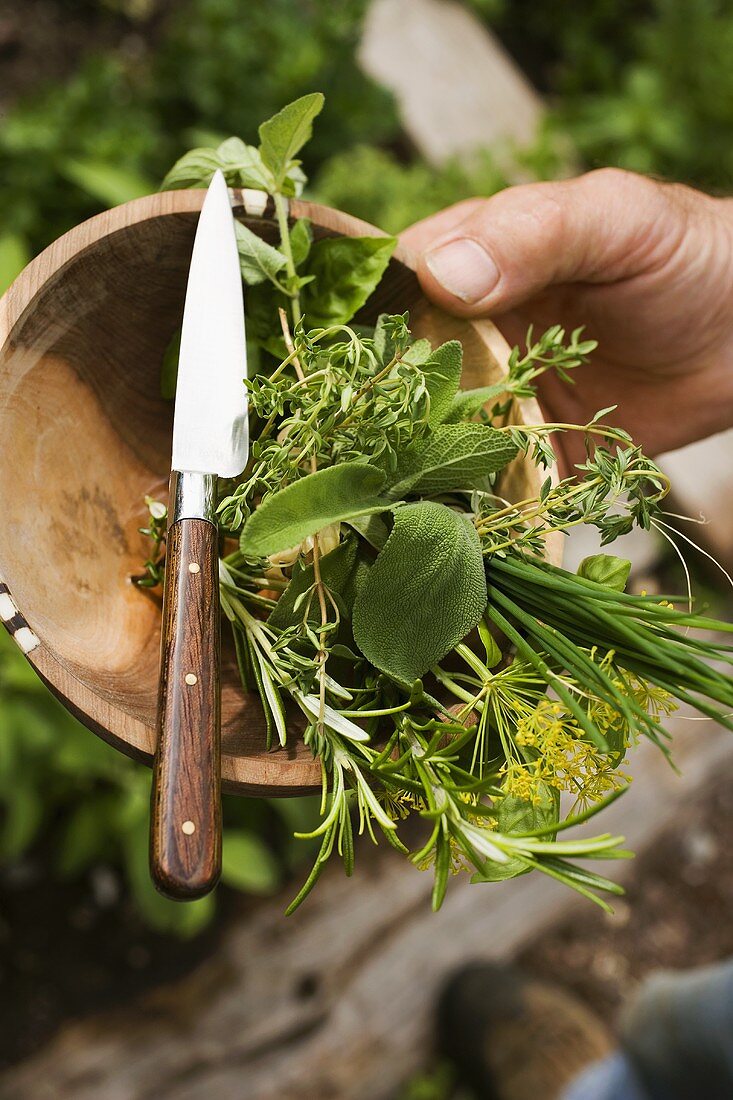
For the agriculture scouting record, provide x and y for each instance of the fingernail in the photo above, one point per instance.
(464, 268)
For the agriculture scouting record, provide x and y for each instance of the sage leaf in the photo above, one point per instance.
(337, 573)
(193, 169)
(331, 495)
(423, 594)
(418, 353)
(346, 271)
(453, 456)
(283, 135)
(442, 377)
(606, 569)
(469, 403)
(372, 529)
(258, 260)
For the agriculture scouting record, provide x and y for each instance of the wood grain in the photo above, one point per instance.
(86, 435)
(185, 819)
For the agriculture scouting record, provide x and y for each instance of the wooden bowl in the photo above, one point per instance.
(86, 435)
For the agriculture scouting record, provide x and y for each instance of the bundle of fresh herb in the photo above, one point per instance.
(441, 665)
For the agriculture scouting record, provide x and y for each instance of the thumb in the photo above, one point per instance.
(491, 255)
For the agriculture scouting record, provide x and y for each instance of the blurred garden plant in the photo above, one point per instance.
(68, 793)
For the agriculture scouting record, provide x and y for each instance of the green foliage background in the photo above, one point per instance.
(644, 85)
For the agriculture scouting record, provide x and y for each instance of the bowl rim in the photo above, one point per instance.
(122, 730)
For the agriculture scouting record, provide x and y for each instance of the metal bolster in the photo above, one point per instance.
(192, 496)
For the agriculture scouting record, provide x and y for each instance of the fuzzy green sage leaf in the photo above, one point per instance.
(454, 456)
(442, 377)
(424, 593)
(331, 495)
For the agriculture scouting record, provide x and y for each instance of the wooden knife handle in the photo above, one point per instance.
(185, 837)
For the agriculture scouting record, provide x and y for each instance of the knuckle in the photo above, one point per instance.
(619, 182)
(539, 207)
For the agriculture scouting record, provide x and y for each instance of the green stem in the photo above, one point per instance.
(281, 212)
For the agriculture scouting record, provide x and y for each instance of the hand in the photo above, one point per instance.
(646, 267)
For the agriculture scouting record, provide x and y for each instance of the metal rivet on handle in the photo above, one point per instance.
(194, 567)
(191, 678)
(188, 828)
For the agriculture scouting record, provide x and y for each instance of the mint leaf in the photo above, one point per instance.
(283, 135)
(423, 594)
(346, 270)
(301, 238)
(453, 456)
(258, 260)
(194, 169)
(442, 377)
(606, 569)
(469, 403)
(330, 495)
(242, 165)
(337, 573)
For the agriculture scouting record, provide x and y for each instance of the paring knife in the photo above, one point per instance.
(210, 439)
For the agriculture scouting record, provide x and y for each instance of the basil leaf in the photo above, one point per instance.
(423, 594)
(606, 569)
(469, 403)
(330, 495)
(442, 377)
(337, 573)
(453, 456)
(283, 135)
(346, 270)
(258, 260)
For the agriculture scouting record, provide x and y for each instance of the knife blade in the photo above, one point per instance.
(210, 439)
